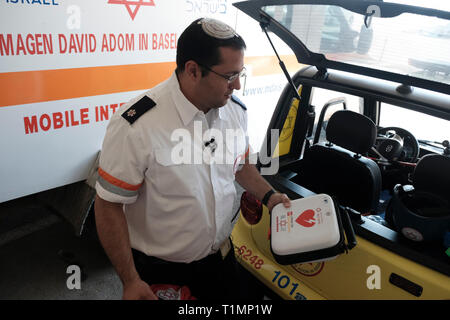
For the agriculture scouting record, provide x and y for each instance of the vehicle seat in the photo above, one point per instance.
(338, 168)
(421, 211)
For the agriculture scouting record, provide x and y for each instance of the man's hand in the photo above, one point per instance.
(277, 198)
(112, 231)
(138, 290)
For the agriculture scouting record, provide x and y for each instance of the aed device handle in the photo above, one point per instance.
(348, 228)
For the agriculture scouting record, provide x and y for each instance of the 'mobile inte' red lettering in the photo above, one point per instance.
(56, 120)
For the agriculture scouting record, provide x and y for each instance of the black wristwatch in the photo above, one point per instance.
(266, 197)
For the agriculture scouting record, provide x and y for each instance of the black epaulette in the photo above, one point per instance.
(239, 102)
(138, 109)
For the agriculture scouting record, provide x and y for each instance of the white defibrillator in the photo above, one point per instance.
(312, 229)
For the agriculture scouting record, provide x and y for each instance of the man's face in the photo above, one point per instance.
(214, 89)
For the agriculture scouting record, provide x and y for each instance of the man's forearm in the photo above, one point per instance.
(251, 180)
(112, 230)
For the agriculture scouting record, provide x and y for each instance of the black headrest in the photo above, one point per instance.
(432, 174)
(352, 131)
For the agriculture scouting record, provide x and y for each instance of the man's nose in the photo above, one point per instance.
(236, 84)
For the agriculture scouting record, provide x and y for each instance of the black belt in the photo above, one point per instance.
(145, 259)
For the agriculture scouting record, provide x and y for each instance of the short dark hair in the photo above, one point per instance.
(195, 44)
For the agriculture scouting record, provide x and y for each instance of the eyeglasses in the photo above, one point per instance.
(231, 78)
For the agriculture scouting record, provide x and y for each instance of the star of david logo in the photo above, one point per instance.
(133, 5)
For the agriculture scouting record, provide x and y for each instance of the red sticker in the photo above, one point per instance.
(306, 219)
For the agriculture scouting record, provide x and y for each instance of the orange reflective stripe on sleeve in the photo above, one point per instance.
(117, 182)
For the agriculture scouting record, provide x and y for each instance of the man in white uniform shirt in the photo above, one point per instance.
(166, 178)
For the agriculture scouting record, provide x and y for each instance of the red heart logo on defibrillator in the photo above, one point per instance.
(306, 219)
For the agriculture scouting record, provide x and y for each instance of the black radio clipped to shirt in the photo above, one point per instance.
(212, 144)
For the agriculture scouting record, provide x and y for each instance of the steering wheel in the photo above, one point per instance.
(395, 143)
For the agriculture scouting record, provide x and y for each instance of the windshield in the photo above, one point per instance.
(409, 44)
(422, 126)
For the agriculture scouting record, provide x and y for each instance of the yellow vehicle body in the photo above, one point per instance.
(363, 273)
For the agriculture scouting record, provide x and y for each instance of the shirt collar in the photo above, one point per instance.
(186, 109)
(217, 113)
(222, 113)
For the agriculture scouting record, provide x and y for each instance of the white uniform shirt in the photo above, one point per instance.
(175, 211)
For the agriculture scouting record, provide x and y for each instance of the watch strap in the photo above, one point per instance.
(266, 197)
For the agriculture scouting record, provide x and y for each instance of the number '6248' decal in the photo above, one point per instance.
(247, 254)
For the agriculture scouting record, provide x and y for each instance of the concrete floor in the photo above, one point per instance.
(36, 249)
(35, 266)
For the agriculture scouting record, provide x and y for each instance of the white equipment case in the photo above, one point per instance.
(312, 229)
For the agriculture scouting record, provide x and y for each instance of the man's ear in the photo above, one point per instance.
(193, 70)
